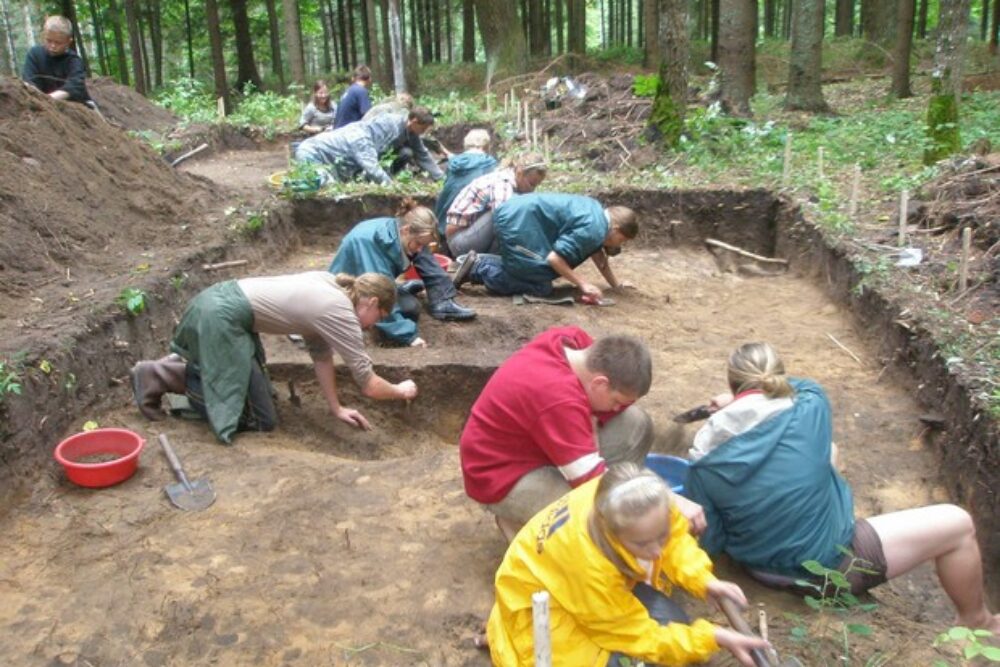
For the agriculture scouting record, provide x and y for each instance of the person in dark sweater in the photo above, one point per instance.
(54, 67)
(355, 103)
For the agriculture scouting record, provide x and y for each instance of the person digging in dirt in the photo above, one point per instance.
(773, 498)
(530, 435)
(355, 102)
(319, 113)
(354, 150)
(543, 236)
(53, 67)
(462, 169)
(469, 218)
(391, 245)
(217, 359)
(609, 553)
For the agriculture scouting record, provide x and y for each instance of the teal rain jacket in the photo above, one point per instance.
(531, 226)
(374, 246)
(462, 170)
(772, 498)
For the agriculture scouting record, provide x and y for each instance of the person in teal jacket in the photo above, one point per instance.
(462, 170)
(389, 246)
(773, 499)
(543, 236)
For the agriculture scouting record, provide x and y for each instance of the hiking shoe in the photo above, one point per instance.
(449, 310)
(465, 269)
(413, 287)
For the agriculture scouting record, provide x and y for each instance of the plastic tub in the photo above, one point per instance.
(442, 260)
(672, 469)
(122, 443)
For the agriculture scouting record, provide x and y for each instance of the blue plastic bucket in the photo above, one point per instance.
(672, 469)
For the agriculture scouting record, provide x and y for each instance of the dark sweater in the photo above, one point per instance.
(51, 73)
(353, 106)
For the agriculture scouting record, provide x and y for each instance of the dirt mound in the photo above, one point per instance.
(128, 109)
(80, 201)
(967, 194)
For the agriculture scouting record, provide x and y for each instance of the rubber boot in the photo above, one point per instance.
(152, 379)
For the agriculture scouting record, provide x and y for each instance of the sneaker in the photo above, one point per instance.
(465, 269)
(449, 310)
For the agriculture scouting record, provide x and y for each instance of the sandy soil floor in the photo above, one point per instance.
(327, 546)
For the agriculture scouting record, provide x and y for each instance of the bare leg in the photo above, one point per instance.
(946, 534)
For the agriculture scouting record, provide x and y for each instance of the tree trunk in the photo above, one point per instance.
(805, 65)
(8, 39)
(189, 37)
(218, 58)
(326, 21)
(946, 82)
(468, 31)
(770, 18)
(995, 31)
(536, 26)
(786, 20)
(984, 20)
(716, 9)
(246, 65)
(449, 38)
(341, 29)
(670, 104)
(156, 39)
(922, 19)
(375, 60)
(142, 46)
(843, 25)
(901, 56)
(736, 54)
(436, 14)
(366, 44)
(560, 19)
(274, 37)
(651, 49)
(98, 25)
(134, 39)
(878, 22)
(116, 27)
(293, 41)
(396, 44)
(502, 36)
(351, 33)
(426, 50)
(414, 36)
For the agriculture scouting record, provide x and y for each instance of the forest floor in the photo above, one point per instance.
(328, 546)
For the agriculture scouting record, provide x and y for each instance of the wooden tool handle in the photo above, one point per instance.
(736, 620)
(175, 463)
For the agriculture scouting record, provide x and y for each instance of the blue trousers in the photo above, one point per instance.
(490, 271)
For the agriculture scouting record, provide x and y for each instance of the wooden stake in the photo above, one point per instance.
(190, 153)
(904, 200)
(540, 625)
(534, 134)
(506, 105)
(852, 206)
(221, 107)
(746, 253)
(844, 348)
(787, 170)
(527, 122)
(489, 104)
(517, 124)
(545, 143)
(224, 265)
(963, 269)
(819, 162)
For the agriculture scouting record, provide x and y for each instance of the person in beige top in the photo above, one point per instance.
(217, 359)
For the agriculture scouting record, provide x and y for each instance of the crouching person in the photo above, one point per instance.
(609, 553)
(217, 359)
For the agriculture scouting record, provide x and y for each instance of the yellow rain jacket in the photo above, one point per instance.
(591, 606)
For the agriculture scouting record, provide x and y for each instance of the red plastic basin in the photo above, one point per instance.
(442, 260)
(121, 442)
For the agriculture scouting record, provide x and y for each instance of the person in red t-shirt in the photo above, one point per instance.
(531, 434)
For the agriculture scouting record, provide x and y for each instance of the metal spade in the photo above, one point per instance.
(191, 496)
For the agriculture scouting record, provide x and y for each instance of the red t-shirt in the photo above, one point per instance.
(532, 413)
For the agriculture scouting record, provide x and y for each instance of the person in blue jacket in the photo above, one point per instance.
(355, 102)
(766, 478)
(53, 67)
(389, 246)
(462, 170)
(543, 236)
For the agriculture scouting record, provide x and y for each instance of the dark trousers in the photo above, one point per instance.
(259, 411)
(490, 271)
(436, 281)
(661, 609)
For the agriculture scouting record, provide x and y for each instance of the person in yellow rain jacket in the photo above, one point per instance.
(608, 553)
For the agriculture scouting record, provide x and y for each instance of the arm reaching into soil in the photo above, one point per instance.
(600, 259)
(328, 384)
(562, 267)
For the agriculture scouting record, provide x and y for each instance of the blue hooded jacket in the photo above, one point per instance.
(462, 170)
(531, 226)
(374, 246)
(771, 497)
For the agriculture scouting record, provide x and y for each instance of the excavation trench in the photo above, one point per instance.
(325, 539)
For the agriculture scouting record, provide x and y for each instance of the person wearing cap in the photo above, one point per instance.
(354, 150)
(464, 168)
(469, 218)
(544, 236)
(355, 102)
(53, 67)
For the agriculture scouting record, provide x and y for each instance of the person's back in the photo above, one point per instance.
(355, 102)
(462, 170)
(370, 246)
(54, 67)
(771, 497)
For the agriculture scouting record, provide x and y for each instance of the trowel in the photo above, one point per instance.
(760, 657)
(190, 496)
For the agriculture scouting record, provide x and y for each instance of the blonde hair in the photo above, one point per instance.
(420, 219)
(623, 220)
(477, 138)
(757, 366)
(369, 285)
(625, 493)
(531, 163)
(58, 24)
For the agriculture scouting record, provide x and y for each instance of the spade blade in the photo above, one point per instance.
(198, 497)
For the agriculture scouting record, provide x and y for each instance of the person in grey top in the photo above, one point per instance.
(355, 149)
(319, 113)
